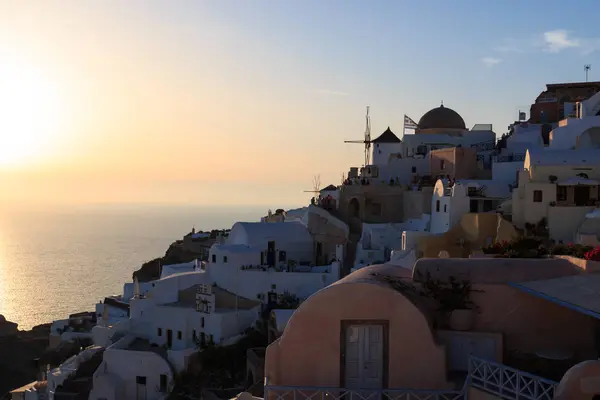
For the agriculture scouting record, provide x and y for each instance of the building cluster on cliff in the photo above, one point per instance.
(397, 296)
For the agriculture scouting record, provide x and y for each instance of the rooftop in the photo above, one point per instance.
(387, 137)
(578, 292)
(562, 157)
(551, 86)
(442, 118)
(225, 300)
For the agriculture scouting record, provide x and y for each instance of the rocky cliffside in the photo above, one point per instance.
(191, 247)
(18, 352)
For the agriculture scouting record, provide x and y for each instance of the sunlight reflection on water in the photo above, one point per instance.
(55, 263)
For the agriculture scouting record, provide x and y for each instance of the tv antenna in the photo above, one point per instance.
(587, 68)
(367, 140)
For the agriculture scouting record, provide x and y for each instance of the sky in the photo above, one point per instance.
(242, 102)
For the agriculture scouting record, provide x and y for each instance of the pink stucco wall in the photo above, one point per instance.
(530, 324)
(581, 382)
(308, 353)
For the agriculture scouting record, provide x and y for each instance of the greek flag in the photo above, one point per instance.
(409, 123)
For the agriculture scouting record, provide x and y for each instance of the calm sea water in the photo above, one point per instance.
(58, 261)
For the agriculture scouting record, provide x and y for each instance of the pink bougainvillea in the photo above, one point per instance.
(593, 255)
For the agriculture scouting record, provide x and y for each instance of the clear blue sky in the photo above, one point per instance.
(406, 56)
(250, 98)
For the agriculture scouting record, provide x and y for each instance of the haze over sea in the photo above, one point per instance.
(55, 261)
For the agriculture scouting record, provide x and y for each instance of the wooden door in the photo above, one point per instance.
(364, 357)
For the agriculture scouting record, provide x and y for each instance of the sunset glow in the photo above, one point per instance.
(30, 111)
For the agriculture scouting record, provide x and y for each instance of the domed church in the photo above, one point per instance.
(441, 120)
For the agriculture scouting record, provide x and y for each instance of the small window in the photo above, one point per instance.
(561, 193)
(214, 258)
(445, 207)
(488, 205)
(140, 380)
(179, 335)
(159, 331)
(442, 164)
(537, 196)
(437, 206)
(474, 206)
(224, 259)
(414, 170)
(163, 383)
(202, 322)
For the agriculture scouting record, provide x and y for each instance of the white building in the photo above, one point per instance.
(57, 376)
(559, 187)
(400, 161)
(451, 200)
(589, 107)
(384, 146)
(377, 241)
(133, 368)
(181, 313)
(573, 133)
(258, 258)
(509, 160)
(172, 269)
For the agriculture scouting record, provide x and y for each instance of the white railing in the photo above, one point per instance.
(508, 383)
(325, 393)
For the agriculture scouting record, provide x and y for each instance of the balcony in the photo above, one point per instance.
(508, 383)
(324, 393)
(510, 158)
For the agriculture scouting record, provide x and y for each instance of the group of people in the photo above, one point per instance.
(327, 202)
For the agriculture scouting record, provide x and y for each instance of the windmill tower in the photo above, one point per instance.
(367, 140)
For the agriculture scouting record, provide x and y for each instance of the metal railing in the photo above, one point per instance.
(508, 383)
(328, 393)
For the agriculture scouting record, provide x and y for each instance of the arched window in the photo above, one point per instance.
(437, 206)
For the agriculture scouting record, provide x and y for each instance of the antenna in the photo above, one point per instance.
(367, 139)
(587, 68)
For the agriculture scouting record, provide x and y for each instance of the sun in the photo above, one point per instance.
(29, 113)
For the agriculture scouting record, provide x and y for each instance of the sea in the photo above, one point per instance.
(57, 260)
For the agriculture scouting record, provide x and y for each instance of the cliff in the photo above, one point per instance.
(192, 246)
(18, 352)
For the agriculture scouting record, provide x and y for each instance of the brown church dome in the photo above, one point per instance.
(442, 118)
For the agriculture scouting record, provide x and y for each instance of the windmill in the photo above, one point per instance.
(316, 186)
(367, 140)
